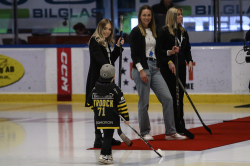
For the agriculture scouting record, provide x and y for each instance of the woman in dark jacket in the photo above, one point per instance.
(100, 54)
(145, 53)
(167, 38)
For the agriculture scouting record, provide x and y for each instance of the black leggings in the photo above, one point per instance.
(106, 145)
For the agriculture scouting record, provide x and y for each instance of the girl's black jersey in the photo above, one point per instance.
(107, 102)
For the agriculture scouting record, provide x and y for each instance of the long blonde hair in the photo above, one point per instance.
(151, 24)
(98, 34)
(170, 20)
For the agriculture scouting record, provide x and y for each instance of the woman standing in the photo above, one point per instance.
(168, 70)
(145, 53)
(100, 54)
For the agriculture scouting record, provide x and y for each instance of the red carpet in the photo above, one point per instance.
(225, 133)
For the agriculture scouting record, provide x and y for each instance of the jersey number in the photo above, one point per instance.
(101, 110)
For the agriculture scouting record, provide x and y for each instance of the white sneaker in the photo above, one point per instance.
(148, 137)
(104, 159)
(175, 136)
(110, 157)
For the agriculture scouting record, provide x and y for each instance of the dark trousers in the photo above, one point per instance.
(97, 131)
(106, 145)
(171, 82)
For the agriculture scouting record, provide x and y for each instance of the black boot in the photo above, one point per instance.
(115, 142)
(98, 140)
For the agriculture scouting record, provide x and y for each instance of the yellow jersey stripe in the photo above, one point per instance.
(108, 127)
(121, 105)
(124, 112)
(124, 108)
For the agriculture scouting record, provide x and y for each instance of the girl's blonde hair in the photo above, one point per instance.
(151, 24)
(98, 34)
(170, 20)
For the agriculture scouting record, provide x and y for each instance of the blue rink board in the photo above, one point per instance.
(125, 45)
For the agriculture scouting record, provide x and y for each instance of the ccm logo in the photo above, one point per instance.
(64, 71)
(64, 79)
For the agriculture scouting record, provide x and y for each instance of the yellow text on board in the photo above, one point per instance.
(10, 70)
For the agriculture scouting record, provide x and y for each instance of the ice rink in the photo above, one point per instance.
(53, 134)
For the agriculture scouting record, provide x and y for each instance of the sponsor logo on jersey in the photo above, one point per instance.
(109, 96)
(104, 122)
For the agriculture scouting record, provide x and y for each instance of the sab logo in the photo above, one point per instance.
(12, 135)
(70, 2)
(10, 71)
(6, 2)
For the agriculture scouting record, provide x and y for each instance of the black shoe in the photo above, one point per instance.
(98, 141)
(115, 142)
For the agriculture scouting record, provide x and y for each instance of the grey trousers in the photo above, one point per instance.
(160, 88)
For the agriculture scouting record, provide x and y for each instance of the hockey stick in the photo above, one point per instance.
(159, 152)
(120, 59)
(186, 132)
(207, 128)
(125, 139)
